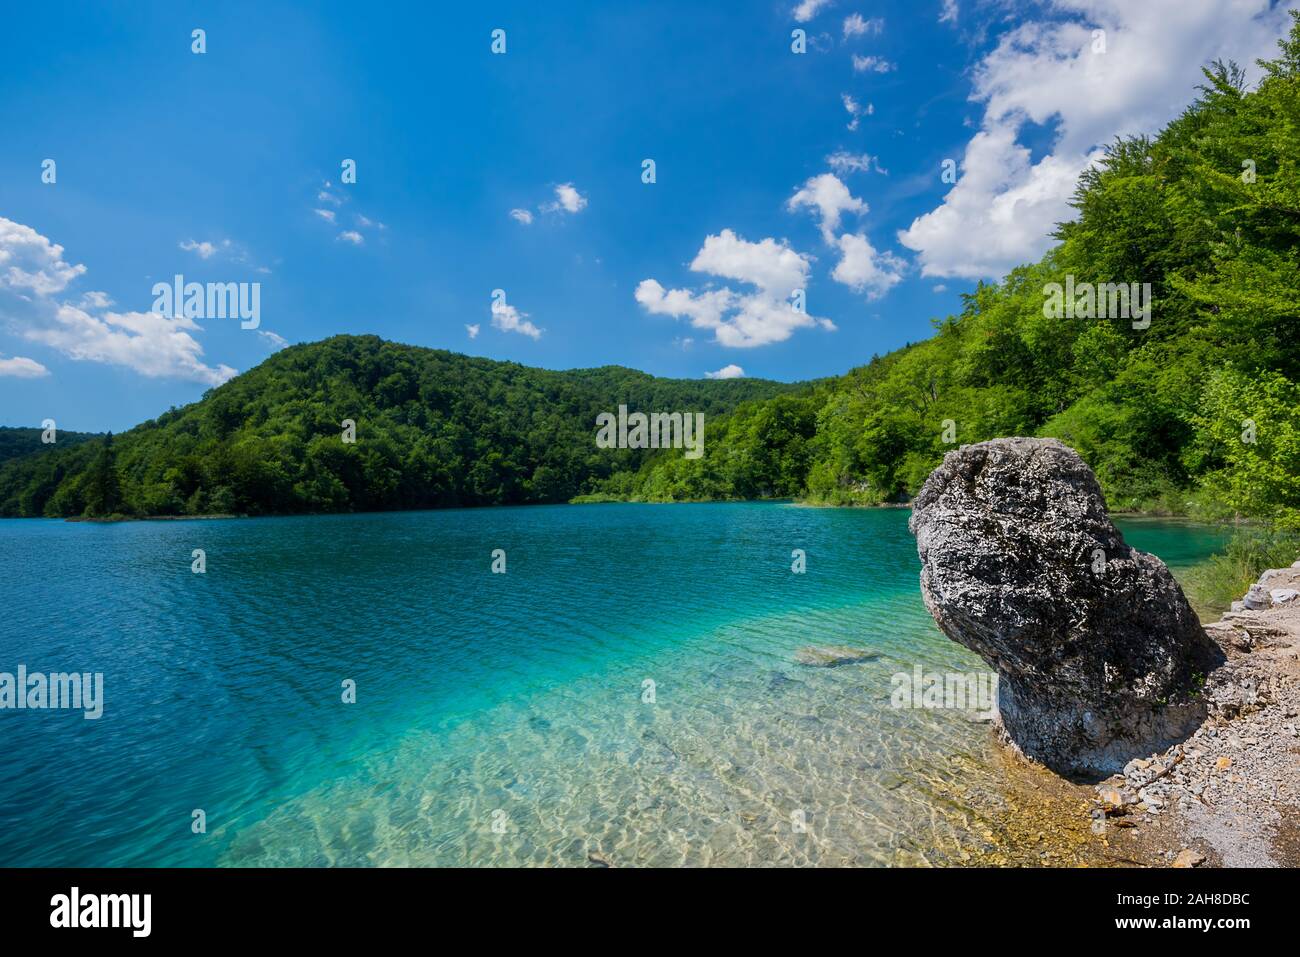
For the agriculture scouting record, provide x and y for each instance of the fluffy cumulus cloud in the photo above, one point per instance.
(509, 319)
(567, 200)
(471, 329)
(860, 266)
(742, 319)
(36, 305)
(948, 13)
(521, 216)
(863, 269)
(1005, 204)
(732, 371)
(830, 199)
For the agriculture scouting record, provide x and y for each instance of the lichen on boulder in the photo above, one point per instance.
(1099, 656)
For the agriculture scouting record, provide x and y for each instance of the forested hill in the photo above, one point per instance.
(433, 428)
(1197, 413)
(19, 442)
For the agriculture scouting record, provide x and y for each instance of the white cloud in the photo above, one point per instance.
(808, 9)
(844, 162)
(226, 249)
(949, 12)
(145, 342)
(830, 198)
(20, 367)
(865, 270)
(30, 263)
(856, 26)
(871, 64)
(705, 310)
(860, 266)
(732, 371)
(855, 109)
(204, 250)
(1000, 213)
(1004, 207)
(472, 330)
(567, 199)
(509, 319)
(277, 341)
(331, 216)
(32, 275)
(521, 216)
(739, 320)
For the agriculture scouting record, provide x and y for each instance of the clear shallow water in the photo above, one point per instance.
(499, 718)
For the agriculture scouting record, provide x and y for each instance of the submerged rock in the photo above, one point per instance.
(1099, 656)
(829, 656)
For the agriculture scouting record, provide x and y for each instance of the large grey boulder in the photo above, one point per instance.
(1099, 656)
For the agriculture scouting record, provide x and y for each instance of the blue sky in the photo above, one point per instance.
(225, 167)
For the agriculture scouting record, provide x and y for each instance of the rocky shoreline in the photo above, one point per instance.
(1229, 795)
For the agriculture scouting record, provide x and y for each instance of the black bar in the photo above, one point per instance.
(333, 906)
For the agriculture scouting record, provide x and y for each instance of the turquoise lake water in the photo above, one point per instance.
(499, 718)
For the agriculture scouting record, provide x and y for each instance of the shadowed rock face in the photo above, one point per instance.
(1099, 656)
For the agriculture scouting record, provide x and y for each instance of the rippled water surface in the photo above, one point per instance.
(500, 719)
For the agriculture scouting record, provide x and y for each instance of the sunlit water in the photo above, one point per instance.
(500, 718)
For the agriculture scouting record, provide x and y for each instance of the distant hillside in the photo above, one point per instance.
(433, 428)
(15, 442)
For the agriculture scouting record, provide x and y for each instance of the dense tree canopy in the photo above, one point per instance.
(18, 442)
(432, 428)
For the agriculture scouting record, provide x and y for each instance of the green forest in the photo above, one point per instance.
(1197, 414)
(19, 442)
(431, 428)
